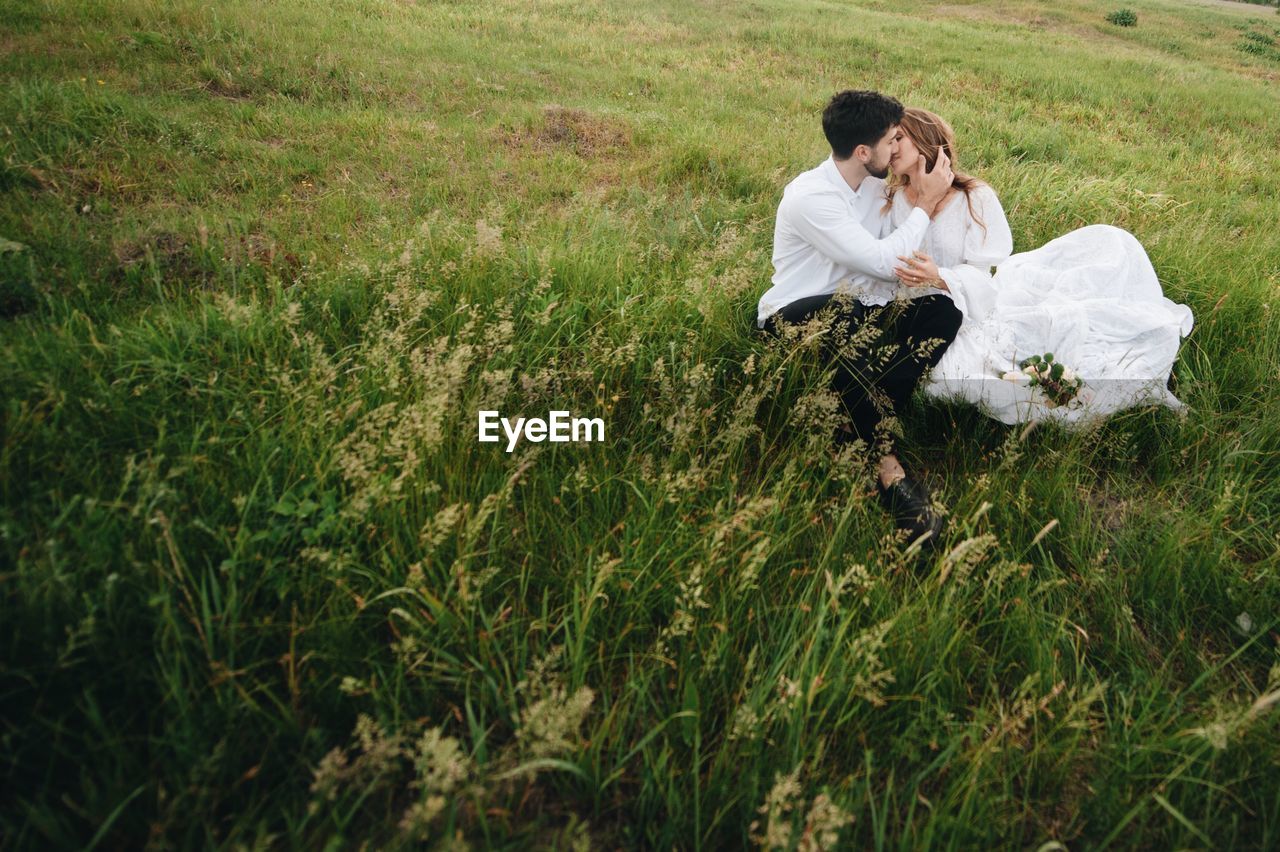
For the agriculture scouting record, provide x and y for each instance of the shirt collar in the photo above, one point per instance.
(833, 174)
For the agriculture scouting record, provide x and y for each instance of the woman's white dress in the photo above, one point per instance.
(1091, 297)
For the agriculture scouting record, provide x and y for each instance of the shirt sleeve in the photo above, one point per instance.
(825, 222)
(970, 283)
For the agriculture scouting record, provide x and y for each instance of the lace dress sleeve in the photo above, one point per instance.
(988, 242)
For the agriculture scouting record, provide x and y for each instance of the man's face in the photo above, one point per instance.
(877, 158)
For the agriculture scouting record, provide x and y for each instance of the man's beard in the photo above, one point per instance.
(881, 173)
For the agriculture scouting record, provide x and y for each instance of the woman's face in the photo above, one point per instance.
(907, 155)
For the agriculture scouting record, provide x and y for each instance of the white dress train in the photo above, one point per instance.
(1091, 297)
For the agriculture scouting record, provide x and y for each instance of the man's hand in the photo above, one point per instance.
(933, 185)
(920, 271)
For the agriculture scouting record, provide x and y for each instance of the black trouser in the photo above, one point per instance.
(879, 352)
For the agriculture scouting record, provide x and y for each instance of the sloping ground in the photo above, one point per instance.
(260, 583)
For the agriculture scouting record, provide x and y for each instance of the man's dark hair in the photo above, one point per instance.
(854, 118)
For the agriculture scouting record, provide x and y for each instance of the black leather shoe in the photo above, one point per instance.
(908, 502)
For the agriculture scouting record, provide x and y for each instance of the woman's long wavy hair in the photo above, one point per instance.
(931, 133)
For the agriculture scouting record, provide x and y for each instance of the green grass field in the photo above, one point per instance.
(260, 586)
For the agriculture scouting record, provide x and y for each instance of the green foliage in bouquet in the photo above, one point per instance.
(1058, 382)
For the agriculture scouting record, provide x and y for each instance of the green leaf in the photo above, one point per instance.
(689, 727)
(542, 763)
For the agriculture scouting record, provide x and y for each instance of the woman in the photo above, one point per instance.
(1090, 297)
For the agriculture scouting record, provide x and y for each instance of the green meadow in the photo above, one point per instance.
(262, 264)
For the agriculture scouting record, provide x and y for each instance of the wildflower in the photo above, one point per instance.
(442, 766)
(235, 311)
(549, 726)
(439, 526)
(788, 692)
(872, 675)
(746, 721)
(327, 775)
(822, 825)
(379, 755)
(409, 652)
(488, 237)
(856, 579)
(689, 599)
(353, 686)
(778, 804)
(965, 556)
(381, 751)
(752, 562)
(419, 815)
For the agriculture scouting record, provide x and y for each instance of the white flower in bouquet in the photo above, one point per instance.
(1068, 374)
(1017, 377)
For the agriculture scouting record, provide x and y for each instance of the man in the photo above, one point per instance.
(828, 232)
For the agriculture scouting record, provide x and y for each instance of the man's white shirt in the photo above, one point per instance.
(827, 234)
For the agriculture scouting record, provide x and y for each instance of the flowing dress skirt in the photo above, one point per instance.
(1092, 298)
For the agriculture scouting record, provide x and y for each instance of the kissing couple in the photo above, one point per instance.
(910, 261)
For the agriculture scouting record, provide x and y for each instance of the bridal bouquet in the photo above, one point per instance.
(1058, 382)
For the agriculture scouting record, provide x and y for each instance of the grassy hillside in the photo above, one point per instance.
(260, 585)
